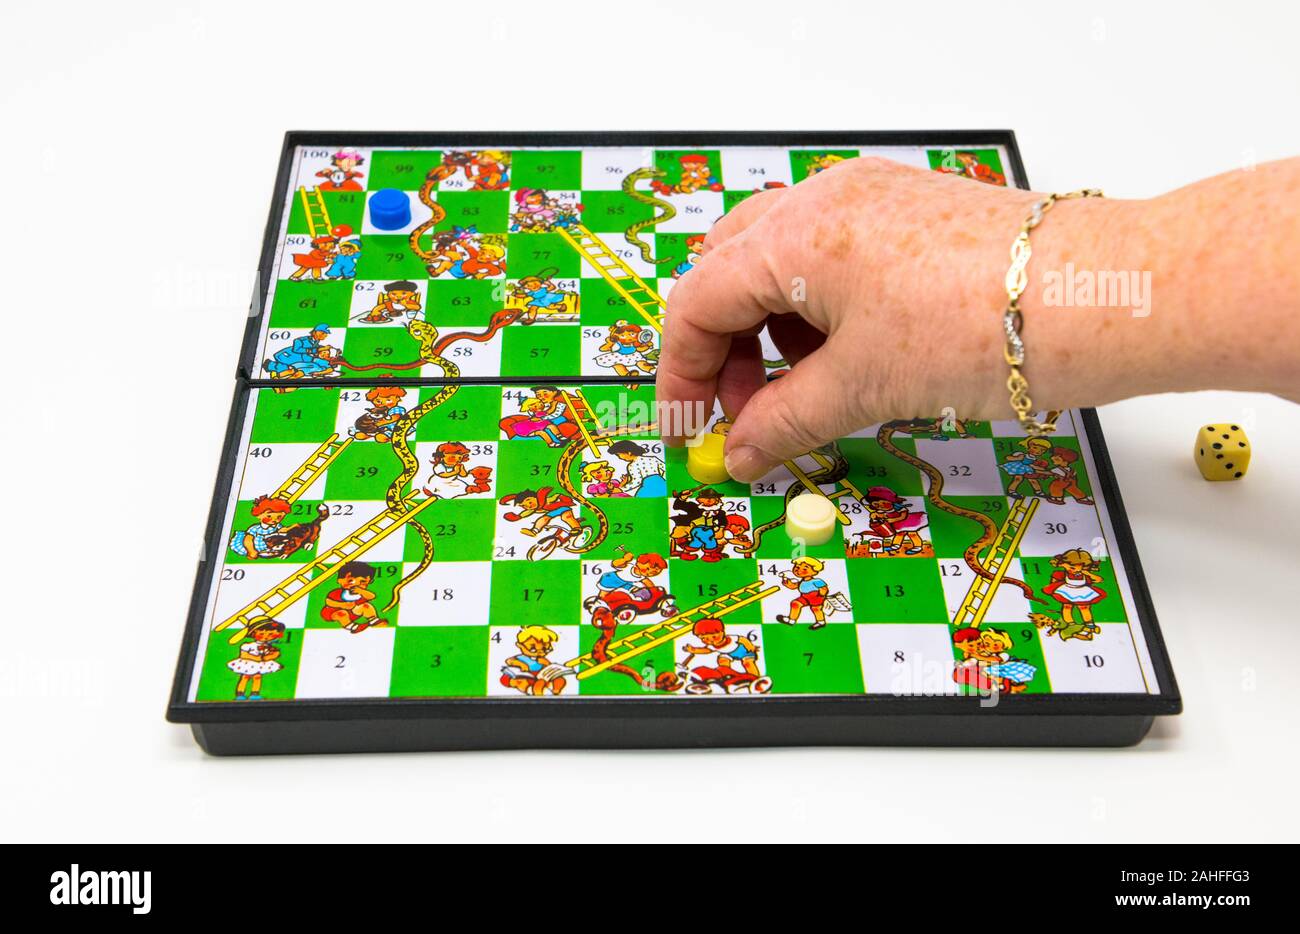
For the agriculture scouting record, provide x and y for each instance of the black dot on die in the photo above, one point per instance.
(1225, 437)
(1237, 474)
(1235, 428)
(1216, 445)
(1228, 466)
(1218, 457)
(1241, 444)
(1202, 452)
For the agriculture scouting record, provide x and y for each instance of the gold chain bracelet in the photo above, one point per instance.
(1012, 320)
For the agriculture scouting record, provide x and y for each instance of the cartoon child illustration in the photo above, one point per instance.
(631, 573)
(644, 475)
(306, 356)
(544, 504)
(1028, 466)
(345, 261)
(1074, 585)
(812, 591)
(987, 664)
(534, 210)
(451, 475)
(1065, 478)
(531, 671)
(542, 295)
(625, 347)
(696, 175)
(736, 534)
(342, 174)
(893, 521)
(694, 250)
(315, 261)
(488, 170)
(822, 163)
(698, 525)
(269, 511)
(599, 477)
(384, 412)
(481, 261)
(545, 415)
(349, 604)
(397, 300)
(257, 657)
(734, 658)
(448, 252)
(968, 165)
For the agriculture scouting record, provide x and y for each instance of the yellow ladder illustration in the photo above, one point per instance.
(577, 405)
(311, 468)
(313, 206)
(310, 576)
(642, 641)
(846, 488)
(996, 559)
(647, 302)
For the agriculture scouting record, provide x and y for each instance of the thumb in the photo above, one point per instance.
(792, 415)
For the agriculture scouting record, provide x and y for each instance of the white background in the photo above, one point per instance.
(138, 146)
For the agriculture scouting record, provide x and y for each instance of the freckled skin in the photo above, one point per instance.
(900, 295)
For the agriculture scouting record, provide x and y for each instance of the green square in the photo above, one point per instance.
(649, 665)
(306, 414)
(949, 160)
(387, 576)
(776, 543)
(602, 305)
(344, 208)
(472, 413)
(217, 682)
(525, 464)
(381, 348)
(1026, 646)
(542, 593)
(440, 661)
(952, 535)
(679, 478)
(486, 211)
(303, 510)
(542, 254)
(669, 161)
(461, 530)
(672, 248)
(1109, 609)
(613, 212)
(871, 465)
(547, 169)
(301, 303)
(389, 257)
(619, 406)
(637, 525)
(810, 161)
(404, 171)
(362, 471)
(548, 350)
(694, 583)
(800, 660)
(463, 302)
(896, 590)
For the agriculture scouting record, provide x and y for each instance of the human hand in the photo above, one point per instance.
(882, 285)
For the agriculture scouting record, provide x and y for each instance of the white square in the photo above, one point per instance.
(747, 169)
(361, 405)
(907, 659)
(338, 663)
(448, 593)
(503, 646)
(435, 480)
(317, 168)
(780, 574)
(605, 169)
(371, 296)
(732, 508)
(238, 585)
(968, 465)
(862, 540)
(266, 466)
(1007, 604)
(629, 255)
(653, 603)
(596, 361)
(278, 339)
(701, 670)
(1106, 663)
(346, 517)
(696, 212)
(472, 358)
(1055, 529)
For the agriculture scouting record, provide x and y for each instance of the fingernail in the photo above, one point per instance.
(746, 464)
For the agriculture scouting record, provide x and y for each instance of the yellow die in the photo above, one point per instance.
(1222, 452)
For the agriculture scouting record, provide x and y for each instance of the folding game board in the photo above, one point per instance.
(444, 518)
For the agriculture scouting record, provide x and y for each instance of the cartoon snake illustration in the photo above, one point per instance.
(632, 234)
(935, 495)
(836, 470)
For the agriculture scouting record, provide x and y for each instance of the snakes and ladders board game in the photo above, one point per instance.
(445, 517)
